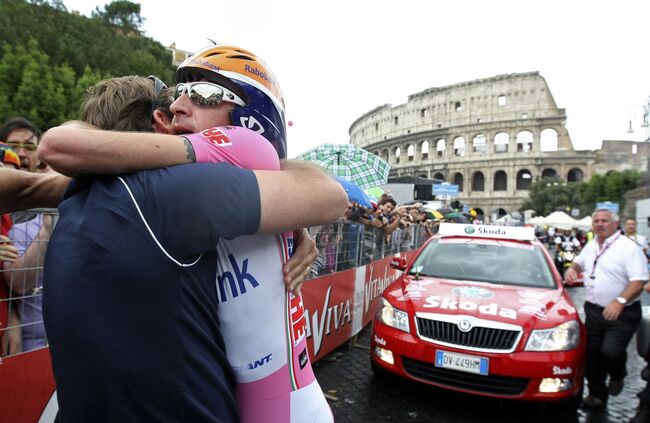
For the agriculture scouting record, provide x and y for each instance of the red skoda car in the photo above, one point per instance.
(481, 309)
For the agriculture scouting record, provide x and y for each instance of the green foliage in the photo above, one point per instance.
(551, 194)
(49, 57)
(122, 13)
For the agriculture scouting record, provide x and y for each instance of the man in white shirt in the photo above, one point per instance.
(614, 271)
(630, 232)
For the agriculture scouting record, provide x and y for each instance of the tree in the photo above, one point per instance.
(44, 93)
(551, 194)
(121, 13)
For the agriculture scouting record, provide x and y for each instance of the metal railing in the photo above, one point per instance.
(21, 282)
(344, 245)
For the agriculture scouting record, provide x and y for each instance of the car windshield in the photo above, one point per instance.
(486, 260)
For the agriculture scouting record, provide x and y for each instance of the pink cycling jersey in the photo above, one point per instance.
(263, 326)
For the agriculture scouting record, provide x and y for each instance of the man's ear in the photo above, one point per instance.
(162, 123)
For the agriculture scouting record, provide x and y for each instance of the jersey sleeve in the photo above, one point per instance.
(235, 145)
(192, 206)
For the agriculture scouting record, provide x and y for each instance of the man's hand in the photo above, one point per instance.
(7, 251)
(571, 276)
(297, 268)
(613, 310)
(377, 223)
(12, 339)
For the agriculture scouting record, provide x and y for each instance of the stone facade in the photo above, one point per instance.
(493, 137)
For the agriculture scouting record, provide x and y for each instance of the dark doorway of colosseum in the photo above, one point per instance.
(575, 175)
(500, 181)
(478, 182)
(458, 180)
(549, 173)
(524, 179)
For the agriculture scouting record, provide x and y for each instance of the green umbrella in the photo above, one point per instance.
(351, 163)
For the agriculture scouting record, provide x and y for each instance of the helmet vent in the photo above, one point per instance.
(241, 57)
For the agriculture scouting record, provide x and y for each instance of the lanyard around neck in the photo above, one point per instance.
(607, 245)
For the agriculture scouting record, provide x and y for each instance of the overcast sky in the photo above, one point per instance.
(337, 60)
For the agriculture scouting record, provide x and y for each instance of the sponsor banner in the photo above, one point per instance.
(329, 303)
(26, 386)
(339, 305)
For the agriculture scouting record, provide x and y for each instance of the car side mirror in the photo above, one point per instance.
(398, 263)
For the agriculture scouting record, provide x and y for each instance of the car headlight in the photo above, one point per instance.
(560, 338)
(391, 316)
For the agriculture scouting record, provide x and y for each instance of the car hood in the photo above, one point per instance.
(527, 307)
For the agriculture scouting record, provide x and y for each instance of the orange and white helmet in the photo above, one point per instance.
(246, 75)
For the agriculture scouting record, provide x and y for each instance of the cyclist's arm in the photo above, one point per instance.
(20, 190)
(73, 151)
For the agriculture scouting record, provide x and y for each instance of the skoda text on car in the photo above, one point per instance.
(481, 309)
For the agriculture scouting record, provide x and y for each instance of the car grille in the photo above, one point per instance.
(490, 384)
(477, 337)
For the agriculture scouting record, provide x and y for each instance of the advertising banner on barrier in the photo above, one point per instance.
(339, 305)
(26, 387)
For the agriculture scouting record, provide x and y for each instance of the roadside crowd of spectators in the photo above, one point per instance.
(365, 234)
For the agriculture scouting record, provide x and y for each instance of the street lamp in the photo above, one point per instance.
(645, 124)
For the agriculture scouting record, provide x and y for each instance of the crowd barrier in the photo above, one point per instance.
(340, 298)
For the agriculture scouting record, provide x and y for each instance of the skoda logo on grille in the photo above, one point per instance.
(464, 325)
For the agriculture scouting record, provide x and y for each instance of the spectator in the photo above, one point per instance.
(24, 277)
(615, 271)
(630, 232)
(643, 412)
(22, 136)
(30, 233)
(10, 331)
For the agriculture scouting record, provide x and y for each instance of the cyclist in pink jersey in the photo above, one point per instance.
(263, 325)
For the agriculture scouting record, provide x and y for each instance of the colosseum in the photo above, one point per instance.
(492, 137)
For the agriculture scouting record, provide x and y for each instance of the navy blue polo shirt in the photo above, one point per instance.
(129, 298)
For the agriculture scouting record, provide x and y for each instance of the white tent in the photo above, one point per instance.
(560, 219)
(585, 223)
(537, 221)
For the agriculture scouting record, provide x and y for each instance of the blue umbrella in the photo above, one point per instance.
(355, 193)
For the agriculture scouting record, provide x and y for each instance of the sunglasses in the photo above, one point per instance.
(158, 85)
(207, 94)
(18, 145)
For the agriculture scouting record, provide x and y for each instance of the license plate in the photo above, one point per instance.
(462, 362)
